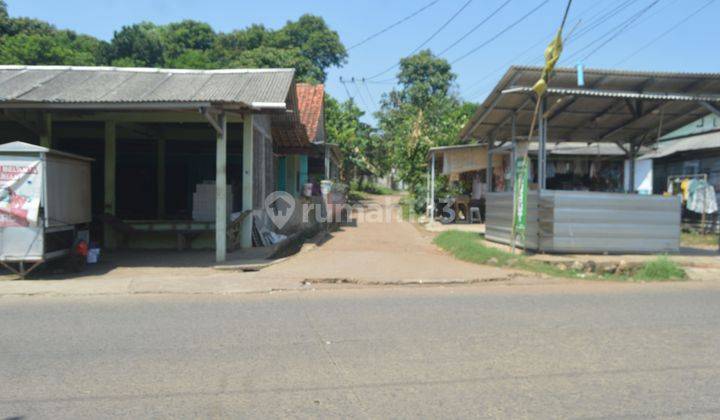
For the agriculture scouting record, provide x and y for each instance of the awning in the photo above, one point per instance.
(705, 141)
(612, 106)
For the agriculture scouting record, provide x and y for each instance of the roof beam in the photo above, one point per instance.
(492, 106)
(507, 119)
(639, 113)
(569, 103)
(710, 108)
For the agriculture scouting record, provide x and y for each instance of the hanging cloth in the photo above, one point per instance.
(702, 199)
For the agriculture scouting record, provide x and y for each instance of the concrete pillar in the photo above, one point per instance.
(489, 170)
(161, 178)
(542, 155)
(46, 136)
(247, 180)
(513, 152)
(432, 188)
(221, 210)
(110, 165)
(327, 162)
(303, 170)
(427, 195)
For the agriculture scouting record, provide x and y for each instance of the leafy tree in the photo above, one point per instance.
(61, 48)
(363, 150)
(422, 113)
(311, 35)
(177, 38)
(138, 45)
(264, 57)
(3, 10)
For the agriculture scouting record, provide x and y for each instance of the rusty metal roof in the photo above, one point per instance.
(612, 106)
(103, 86)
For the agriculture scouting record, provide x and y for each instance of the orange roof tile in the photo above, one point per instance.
(310, 105)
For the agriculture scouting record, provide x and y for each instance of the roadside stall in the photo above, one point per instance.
(628, 109)
(44, 207)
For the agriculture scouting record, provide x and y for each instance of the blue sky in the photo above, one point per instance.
(692, 46)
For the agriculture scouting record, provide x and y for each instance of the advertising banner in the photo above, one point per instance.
(20, 191)
(520, 198)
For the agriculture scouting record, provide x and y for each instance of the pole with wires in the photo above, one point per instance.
(520, 192)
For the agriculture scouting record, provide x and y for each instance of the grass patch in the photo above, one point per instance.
(695, 239)
(407, 204)
(371, 188)
(470, 247)
(659, 270)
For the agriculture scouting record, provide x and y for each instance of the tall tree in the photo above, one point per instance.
(138, 45)
(421, 113)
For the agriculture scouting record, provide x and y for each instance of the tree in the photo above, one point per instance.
(311, 35)
(422, 113)
(178, 38)
(363, 151)
(138, 45)
(3, 10)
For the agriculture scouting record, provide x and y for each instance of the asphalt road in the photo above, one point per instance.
(551, 352)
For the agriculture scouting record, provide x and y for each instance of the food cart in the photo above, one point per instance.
(45, 207)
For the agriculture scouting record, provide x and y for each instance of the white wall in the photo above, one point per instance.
(643, 176)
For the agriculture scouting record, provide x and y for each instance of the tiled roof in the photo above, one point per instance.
(310, 105)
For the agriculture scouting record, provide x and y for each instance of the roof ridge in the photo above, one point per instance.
(148, 69)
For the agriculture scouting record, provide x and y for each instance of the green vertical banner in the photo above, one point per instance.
(520, 198)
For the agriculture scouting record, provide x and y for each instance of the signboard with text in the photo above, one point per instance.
(20, 191)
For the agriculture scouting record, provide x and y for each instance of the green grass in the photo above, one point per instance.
(470, 247)
(693, 239)
(659, 270)
(371, 188)
(407, 204)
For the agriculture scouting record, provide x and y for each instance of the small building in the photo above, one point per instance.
(181, 157)
(320, 159)
(630, 109)
(691, 153)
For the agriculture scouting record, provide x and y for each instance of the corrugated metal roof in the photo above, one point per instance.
(255, 88)
(558, 149)
(710, 140)
(601, 110)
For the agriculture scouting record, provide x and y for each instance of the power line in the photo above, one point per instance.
(440, 29)
(399, 22)
(367, 87)
(662, 35)
(614, 30)
(475, 28)
(517, 57)
(499, 34)
(622, 29)
(347, 91)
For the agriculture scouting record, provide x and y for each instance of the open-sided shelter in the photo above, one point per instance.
(159, 136)
(628, 108)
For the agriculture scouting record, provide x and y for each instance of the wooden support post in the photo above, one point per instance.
(46, 130)
(247, 180)
(161, 178)
(110, 171)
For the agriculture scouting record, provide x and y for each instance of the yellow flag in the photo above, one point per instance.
(552, 55)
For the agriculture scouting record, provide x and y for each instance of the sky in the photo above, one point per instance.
(622, 34)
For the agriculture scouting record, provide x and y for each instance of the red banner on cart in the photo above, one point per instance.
(20, 191)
